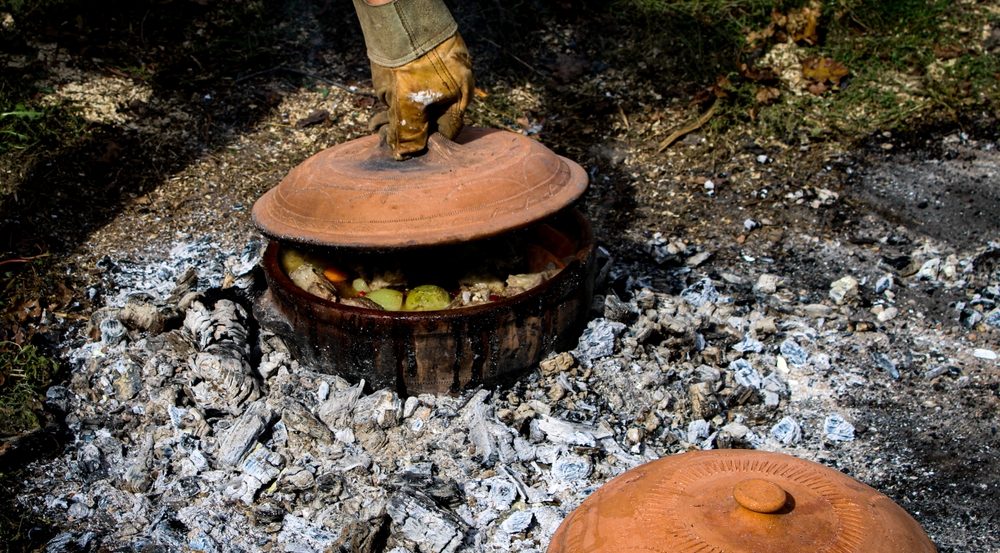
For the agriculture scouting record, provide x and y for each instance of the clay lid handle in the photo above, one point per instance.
(438, 146)
(760, 496)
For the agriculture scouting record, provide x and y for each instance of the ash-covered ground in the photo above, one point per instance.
(875, 354)
(837, 302)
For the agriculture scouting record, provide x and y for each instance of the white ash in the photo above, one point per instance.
(193, 430)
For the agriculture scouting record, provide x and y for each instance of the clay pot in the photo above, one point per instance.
(738, 501)
(439, 351)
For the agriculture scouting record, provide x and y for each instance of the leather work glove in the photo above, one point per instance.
(421, 70)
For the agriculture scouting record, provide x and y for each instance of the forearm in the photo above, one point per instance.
(399, 31)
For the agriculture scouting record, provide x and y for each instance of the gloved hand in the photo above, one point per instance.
(425, 95)
(420, 68)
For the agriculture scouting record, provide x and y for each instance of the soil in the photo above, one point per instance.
(196, 109)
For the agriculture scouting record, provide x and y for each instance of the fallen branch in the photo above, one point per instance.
(688, 128)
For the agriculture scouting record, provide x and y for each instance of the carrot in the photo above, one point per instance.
(334, 274)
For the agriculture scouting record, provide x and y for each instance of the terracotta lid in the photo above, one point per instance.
(738, 501)
(354, 194)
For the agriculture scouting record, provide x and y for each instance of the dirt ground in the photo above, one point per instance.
(193, 111)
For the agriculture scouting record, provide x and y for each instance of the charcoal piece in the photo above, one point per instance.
(238, 440)
(299, 534)
(418, 520)
(704, 404)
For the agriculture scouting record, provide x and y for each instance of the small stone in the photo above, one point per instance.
(982, 353)
(787, 431)
(929, 270)
(883, 362)
(993, 319)
(764, 325)
(617, 310)
(793, 352)
(704, 404)
(884, 283)
(697, 259)
(843, 290)
(634, 435)
(816, 310)
(597, 341)
(745, 374)
(571, 468)
(517, 522)
(767, 283)
(410, 406)
(749, 344)
(731, 278)
(701, 293)
(556, 364)
(697, 430)
(887, 315)
(735, 430)
(837, 429)
(112, 331)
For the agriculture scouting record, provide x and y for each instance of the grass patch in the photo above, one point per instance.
(909, 61)
(25, 373)
(27, 126)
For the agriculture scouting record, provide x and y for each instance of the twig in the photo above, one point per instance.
(693, 126)
(22, 259)
(519, 60)
(624, 117)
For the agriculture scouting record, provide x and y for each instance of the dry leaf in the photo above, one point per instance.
(817, 88)
(947, 52)
(803, 24)
(480, 93)
(30, 309)
(767, 94)
(760, 36)
(824, 70)
(315, 118)
(758, 74)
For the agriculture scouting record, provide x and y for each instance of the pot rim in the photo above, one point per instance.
(587, 245)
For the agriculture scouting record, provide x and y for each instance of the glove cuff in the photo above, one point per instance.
(402, 31)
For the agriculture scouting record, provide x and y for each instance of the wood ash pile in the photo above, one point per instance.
(195, 430)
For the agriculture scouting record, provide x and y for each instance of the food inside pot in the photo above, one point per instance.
(431, 279)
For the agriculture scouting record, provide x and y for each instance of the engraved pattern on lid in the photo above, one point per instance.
(354, 194)
(685, 503)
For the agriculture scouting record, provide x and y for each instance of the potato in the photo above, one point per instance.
(389, 299)
(427, 298)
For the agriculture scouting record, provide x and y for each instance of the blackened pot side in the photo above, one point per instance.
(438, 351)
